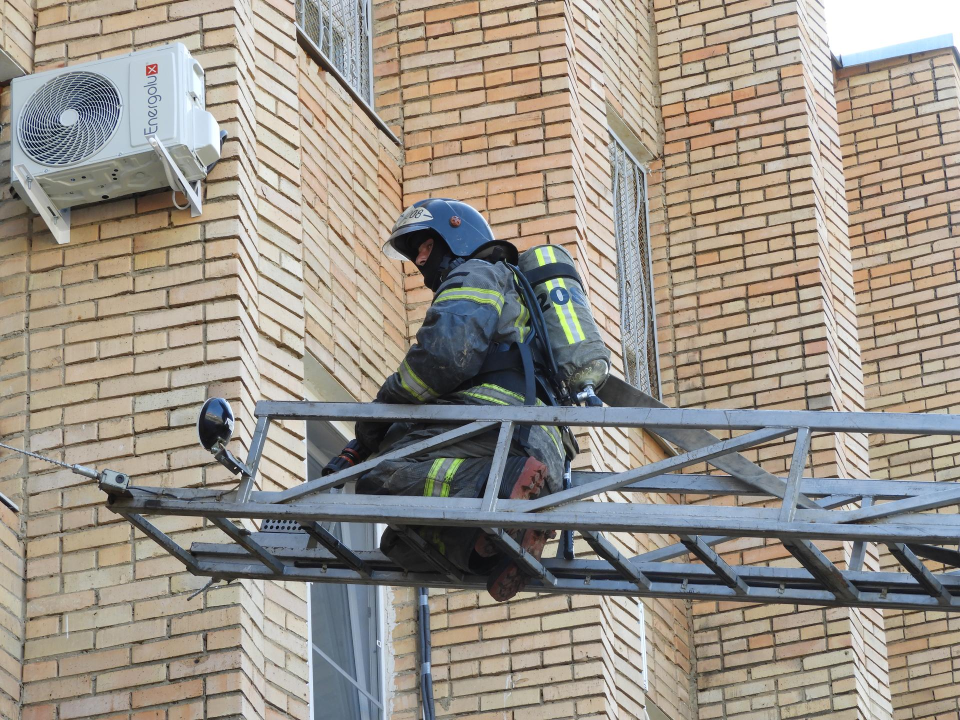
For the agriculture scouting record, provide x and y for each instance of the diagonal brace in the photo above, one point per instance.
(614, 482)
(929, 501)
(709, 557)
(823, 570)
(438, 441)
(242, 537)
(906, 557)
(617, 393)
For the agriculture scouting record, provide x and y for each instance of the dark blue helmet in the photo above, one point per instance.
(462, 229)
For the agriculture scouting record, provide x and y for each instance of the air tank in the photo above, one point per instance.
(582, 358)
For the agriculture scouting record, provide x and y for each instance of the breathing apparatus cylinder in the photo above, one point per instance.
(583, 361)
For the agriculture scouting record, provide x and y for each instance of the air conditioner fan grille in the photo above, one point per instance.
(70, 118)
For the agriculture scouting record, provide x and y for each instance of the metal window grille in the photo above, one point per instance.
(634, 271)
(341, 31)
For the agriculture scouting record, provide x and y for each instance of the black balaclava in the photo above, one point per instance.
(438, 264)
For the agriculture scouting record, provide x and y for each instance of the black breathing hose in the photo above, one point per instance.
(539, 329)
(426, 676)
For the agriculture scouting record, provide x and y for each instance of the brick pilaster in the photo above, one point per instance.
(760, 293)
(900, 132)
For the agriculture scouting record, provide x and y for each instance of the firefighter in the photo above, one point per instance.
(473, 349)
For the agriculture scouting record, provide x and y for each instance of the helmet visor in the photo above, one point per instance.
(405, 244)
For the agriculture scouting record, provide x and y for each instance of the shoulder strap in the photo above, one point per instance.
(550, 271)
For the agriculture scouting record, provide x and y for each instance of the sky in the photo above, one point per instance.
(858, 25)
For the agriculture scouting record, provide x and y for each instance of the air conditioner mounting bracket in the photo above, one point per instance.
(57, 220)
(175, 178)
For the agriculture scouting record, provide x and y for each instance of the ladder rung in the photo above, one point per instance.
(926, 579)
(605, 549)
(429, 553)
(331, 543)
(822, 569)
(530, 565)
(242, 538)
(709, 557)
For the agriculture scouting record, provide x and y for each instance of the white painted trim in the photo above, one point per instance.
(940, 42)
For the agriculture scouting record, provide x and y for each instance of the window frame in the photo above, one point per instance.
(641, 616)
(656, 388)
(314, 51)
(381, 634)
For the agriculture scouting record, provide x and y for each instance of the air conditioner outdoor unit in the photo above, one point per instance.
(109, 128)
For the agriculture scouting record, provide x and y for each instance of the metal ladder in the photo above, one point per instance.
(292, 543)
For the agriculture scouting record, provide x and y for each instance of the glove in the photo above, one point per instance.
(353, 453)
(370, 433)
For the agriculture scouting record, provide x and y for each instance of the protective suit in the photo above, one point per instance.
(476, 315)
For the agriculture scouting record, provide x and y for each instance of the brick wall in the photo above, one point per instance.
(11, 612)
(900, 131)
(17, 31)
(129, 327)
(760, 313)
(109, 344)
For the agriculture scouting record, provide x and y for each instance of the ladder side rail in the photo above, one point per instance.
(607, 517)
(638, 417)
(588, 585)
(659, 572)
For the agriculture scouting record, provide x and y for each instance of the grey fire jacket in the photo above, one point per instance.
(475, 311)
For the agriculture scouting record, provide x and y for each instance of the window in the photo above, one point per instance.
(634, 272)
(341, 31)
(346, 630)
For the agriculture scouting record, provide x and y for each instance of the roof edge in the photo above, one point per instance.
(939, 42)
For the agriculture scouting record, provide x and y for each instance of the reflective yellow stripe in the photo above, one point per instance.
(451, 472)
(477, 295)
(432, 476)
(522, 324)
(571, 309)
(412, 383)
(566, 314)
(551, 432)
(551, 284)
